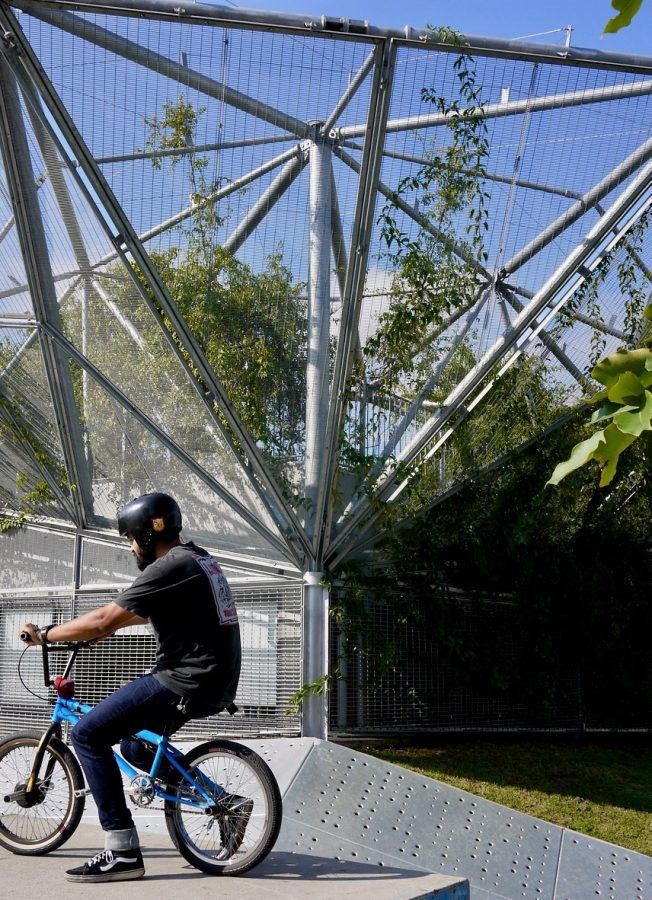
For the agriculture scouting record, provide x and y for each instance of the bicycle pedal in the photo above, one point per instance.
(84, 793)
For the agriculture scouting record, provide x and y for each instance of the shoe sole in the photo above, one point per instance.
(109, 876)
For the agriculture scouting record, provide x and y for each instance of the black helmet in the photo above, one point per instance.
(150, 518)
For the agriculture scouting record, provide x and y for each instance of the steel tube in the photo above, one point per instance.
(603, 187)
(580, 317)
(32, 339)
(348, 95)
(344, 28)
(265, 202)
(195, 148)
(317, 369)
(363, 222)
(547, 340)
(314, 711)
(511, 108)
(489, 176)
(417, 217)
(36, 258)
(458, 397)
(218, 195)
(147, 58)
(432, 381)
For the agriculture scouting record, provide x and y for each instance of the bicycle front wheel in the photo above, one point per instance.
(242, 827)
(32, 825)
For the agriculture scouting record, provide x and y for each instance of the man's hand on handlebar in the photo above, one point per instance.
(30, 634)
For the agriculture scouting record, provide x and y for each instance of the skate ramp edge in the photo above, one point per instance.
(348, 806)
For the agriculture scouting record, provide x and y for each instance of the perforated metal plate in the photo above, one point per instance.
(589, 868)
(353, 806)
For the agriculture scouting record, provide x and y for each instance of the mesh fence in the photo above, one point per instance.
(34, 558)
(461, 664)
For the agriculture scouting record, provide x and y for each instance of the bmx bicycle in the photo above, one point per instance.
(223, 812)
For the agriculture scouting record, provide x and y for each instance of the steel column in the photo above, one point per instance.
(385, 59)
(36, 257)
(314, 708)
(317, 369)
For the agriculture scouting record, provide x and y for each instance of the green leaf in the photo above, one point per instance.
(600, 397)
(608, 453)
(609, 370)
(637, 421)
(608, 410)
(628, 389)
(626, 9)
(647, 312)
(580, 454)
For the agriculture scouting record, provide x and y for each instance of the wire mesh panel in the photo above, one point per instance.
(35, 559)
(24, 699)
(271, 661)
(105, 563)
(452, 664)
(32, 469)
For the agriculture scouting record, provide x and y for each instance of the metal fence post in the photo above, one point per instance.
(314, 721)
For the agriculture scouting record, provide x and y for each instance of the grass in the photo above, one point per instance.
(601, 788)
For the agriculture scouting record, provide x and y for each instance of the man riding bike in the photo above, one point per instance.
(184, 595)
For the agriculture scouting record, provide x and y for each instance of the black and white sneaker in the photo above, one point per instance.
(233, 825)
(109, 865)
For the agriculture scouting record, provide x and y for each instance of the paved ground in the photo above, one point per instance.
(288, 872)
(169, 877)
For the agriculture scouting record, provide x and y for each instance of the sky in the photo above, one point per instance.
(491, 18)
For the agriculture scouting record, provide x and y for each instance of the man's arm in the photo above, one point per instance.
(92, 626)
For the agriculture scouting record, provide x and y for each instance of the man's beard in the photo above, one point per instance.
(144, 558)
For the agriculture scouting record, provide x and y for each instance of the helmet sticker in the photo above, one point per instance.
(158, 524)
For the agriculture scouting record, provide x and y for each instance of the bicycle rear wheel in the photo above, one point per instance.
(32, 826)
(246, 817)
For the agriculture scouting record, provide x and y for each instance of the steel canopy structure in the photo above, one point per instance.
(189, 208)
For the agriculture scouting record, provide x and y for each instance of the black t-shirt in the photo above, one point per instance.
(187, 600)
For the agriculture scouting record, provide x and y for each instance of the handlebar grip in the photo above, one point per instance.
(25, 636)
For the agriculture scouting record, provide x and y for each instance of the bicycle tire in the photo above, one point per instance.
(199, 837)
(47, 824)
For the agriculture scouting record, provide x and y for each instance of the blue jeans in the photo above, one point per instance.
(143, 703)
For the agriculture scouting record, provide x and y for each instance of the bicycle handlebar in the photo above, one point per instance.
(73, 646)
(59, 645)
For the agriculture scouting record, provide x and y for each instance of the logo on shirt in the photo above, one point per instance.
(224, 603)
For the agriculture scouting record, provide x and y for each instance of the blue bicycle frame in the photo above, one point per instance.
(72, 710)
